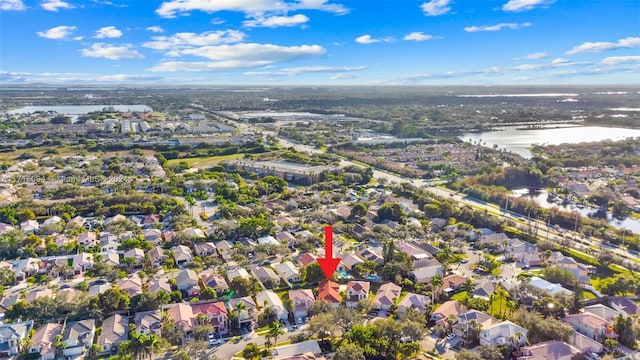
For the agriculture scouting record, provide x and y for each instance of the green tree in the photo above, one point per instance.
(465, 354)
(275, 330)
(251, 351)
(348, 351)
(391, 211)
(490, 352)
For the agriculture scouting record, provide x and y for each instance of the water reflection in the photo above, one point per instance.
(541, 197)
(519, 141)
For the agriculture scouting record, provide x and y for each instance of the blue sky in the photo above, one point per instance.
(323, 42)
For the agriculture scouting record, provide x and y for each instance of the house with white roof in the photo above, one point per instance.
(268, 298)
(503, 333)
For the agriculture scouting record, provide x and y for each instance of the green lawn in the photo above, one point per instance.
(205, 161)
(588, 295)
(459, 296)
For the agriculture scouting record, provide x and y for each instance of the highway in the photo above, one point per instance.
(578, 243)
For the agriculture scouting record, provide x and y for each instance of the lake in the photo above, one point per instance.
(540, 197)
(519, 141)
(79, 109)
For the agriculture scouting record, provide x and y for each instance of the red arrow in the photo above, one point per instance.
(329, 263)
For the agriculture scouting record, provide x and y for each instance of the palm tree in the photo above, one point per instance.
(468, 286)
(435, 282)
(238, 309)
(58, 346)
(510, 306)
(151, 343)
(275, 329)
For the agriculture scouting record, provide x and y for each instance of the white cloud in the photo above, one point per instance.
(436, 7)
(238, 56)
(536, 56)
(524, 5)
(111, 52)
(108, 32)
(628, 42)
(78, 38)
(53, 77)
(344, 76)
(185, 40)
(496, 27)
(306, 69)
(12, 5)
(276, 21)
(155, 29)
(417, 36)
(55, 5)
(57, 33)
(615, 60)
(560, 61)
(367, 39)
(251, 8)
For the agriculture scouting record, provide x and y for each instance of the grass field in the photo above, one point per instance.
(459, 296)
(205, 161)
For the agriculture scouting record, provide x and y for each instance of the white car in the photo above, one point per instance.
(451, 336)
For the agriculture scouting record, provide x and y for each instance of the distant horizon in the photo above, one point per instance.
(266, 85)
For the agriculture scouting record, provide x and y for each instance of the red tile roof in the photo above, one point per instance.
(329, 291)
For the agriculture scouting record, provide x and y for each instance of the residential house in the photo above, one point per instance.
(267, 276)
(451, 307)
(386, 296)
(466, 319)
(112, 259)
(453, 283)
(115, 330)
(153, 236)
(38, 294)
(88, 239)
(413, 251)
(157, 256)
(193, 233)
(137, 255)
(602, 311)
(26, 267)
(288, 272)
(585, 344)
(484, 289)
(82, 262)
(43, 340)
(159, 284)
(204, 249)
(78, 337)
(268, 298)
(97, 289)
(182, 254)
(436, 224)
(268, 240)
(370, 254)
(306, 258)
(556, 350)
(239, 272)
(547, 286)
(216, 312)
(625, 305)
(504, 333)
(591, 325)
(286, 238)
(356, 292)
(30, 226)
(11, 335)
(423, 275)
(329, 291)
(109, 242)
(5, 228)
(216, 282)
(131, 285)
(148, 322)
(53, 220)
(248, 315)
(415, 301)
(187, 281)
(183, 316)
(302, 300)
(349, 263)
